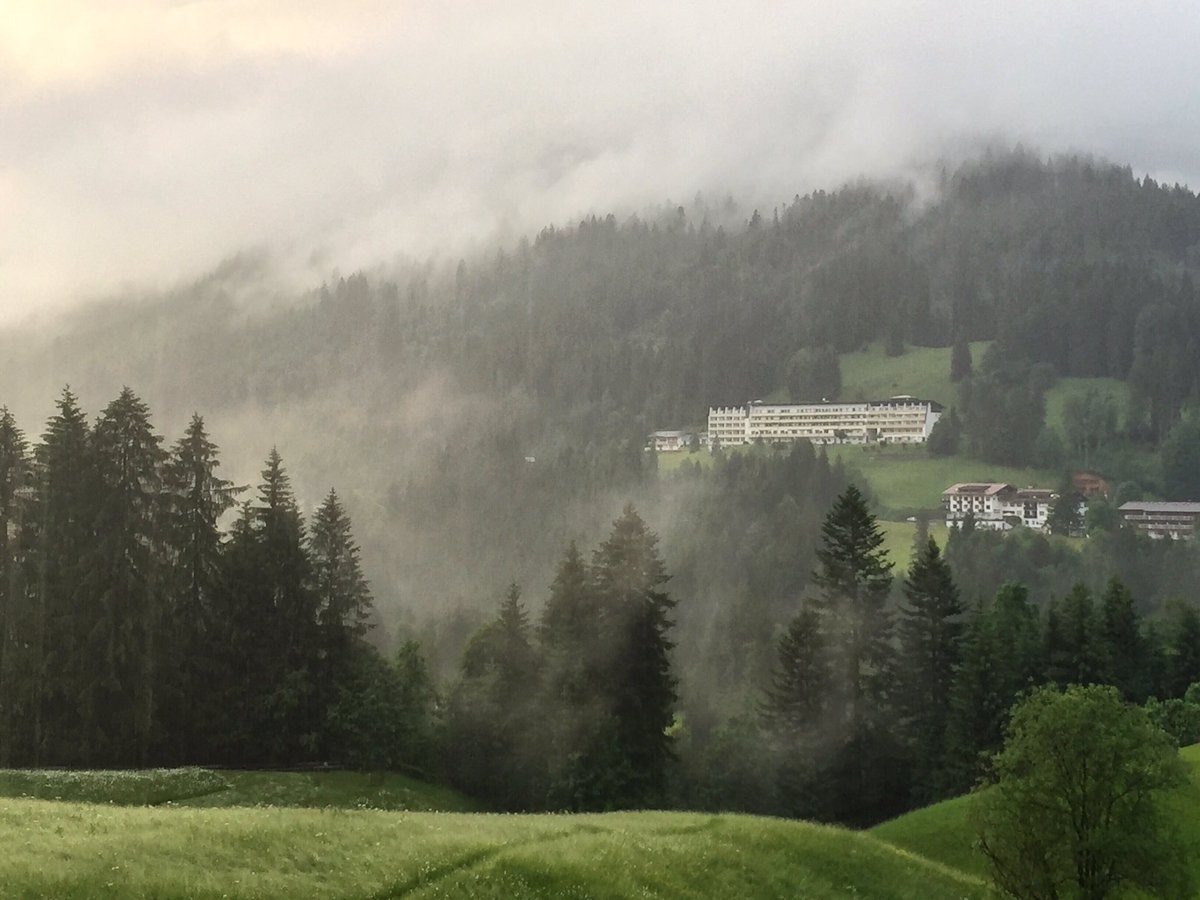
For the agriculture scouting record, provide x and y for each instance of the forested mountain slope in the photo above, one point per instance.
(476, 416)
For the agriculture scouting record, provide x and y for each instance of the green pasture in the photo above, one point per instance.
(905, 479)
(209, 788)
(898, 540)
(941, 832)
(74, 850)
(923, 372)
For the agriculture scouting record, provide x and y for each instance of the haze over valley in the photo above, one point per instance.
(359, 370)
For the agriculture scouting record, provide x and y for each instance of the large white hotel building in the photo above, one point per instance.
(900, 420)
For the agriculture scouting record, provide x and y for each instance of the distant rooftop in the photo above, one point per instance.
(986, 489)
(1162, 506)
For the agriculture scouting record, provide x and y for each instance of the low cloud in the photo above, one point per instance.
(142, 143)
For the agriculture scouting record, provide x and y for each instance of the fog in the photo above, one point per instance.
(141, 143)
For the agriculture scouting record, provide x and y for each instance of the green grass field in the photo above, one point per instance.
(941, 832)
(898, 540)
(73, 850)
(923, 372)
(208, 788)
(905, 479)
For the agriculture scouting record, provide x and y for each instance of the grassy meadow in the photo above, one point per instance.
(77, 850)
(923, 372)
(130, 842)
(207, 788)
(941, 832)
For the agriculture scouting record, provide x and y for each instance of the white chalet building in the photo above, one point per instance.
(899, 420)
(997, 507)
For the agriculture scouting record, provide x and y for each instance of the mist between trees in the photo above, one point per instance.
(136, 631)
(478, 417)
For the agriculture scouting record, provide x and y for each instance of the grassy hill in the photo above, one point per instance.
(71, 850)
(940, 832)
(206, 788)
(924, 372)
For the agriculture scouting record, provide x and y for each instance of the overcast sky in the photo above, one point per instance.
(142, 142)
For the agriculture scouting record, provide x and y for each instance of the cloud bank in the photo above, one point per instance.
(142, 142)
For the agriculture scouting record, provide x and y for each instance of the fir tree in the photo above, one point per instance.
(1075, 652)
(854, 578)
(15, 612)
(930, 632)
(1183, 666)
(127, 576)
(628, 574)
(1001, 658)
(799, 691)
(196, 499)
(341, 595)
(287, 571)
(65, 718)
(960, 360)
(1124, 647)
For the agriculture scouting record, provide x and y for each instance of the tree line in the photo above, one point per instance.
(874, 709)
(134, 630)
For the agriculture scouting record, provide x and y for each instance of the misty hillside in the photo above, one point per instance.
(475, 417)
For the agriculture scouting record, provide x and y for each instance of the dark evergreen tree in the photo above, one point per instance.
(1125, 648)
(494, 739)
(127, 576)
(854, 578)
(930, 630)
(946, 436)
(960, 360)
(814, 373)
(1183, 646)
(64, 715)
(628, 575)
(16, 613)
(1075, 650)
(1181, 461)
(340, 594)
(1065, 517)
(569, 618)
(292, 706)
(1001, 658)
(267, 635)
(197, 498)
(798, 696)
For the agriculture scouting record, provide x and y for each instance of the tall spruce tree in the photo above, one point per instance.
(1074, 645)
(64, 714)
(930, 629)
(628, 575)
(1125, 648)
(15, 610)
(798, 696)
(1183, 645)
(287, 570)
(127, 572)
(854, 578)
(960, 360)
(1001, 658)
(197, 498)
(342, 595)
